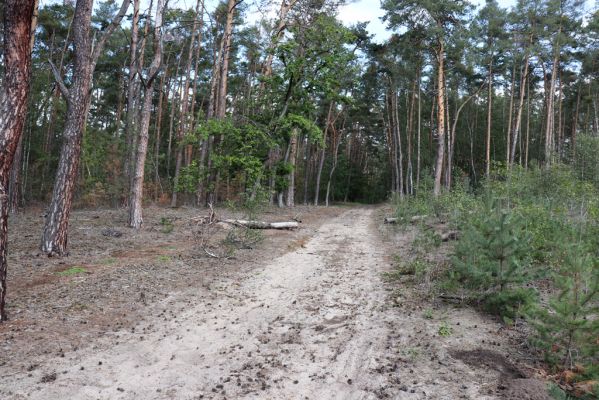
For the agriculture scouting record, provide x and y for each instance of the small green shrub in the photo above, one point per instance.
(445, 330)
(167, 225)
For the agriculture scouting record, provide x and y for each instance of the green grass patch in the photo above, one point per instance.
(72, 271)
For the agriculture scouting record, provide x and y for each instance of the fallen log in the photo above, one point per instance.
(413, 220)
(262, 224)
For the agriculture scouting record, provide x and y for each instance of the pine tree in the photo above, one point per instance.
(567, 327)
(492, 259)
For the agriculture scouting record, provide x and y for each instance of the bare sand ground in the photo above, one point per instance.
(317, 322)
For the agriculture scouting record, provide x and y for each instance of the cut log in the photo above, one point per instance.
(413, 220)
(262, 224)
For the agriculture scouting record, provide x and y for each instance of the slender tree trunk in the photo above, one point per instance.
(221, 104)
(171, 123)
(453, 131)
(527, 144)
(575, 120)
(322, 153)
(184, 123)
(307, 169)
(517, 124)
(132, 93)
(292, 163)
(549, 122)
(508, 135)
(440, 119)
(399, 149)
(18, 15)
(158, 131)
(197, 67)
(337, 142)
(135, 203)
(489, 121)
(418, 139)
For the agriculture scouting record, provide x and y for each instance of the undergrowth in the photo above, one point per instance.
(528, 250)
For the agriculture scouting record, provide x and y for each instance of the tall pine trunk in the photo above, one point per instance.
(54, 236)
(135, 202)
(440, 119)
(13, 103)
(489, 121)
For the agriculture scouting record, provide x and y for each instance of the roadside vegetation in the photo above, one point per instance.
(527, 252)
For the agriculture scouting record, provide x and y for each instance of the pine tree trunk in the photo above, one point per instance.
(440, 119)
(18, 16)
(549, 121)
(399, 149)
(336, 143)
(292, 163)
(508, 135)
(322, 153)
(54, 236)
(132, 94)
(135, 203)
(489, 121)
(418, 138)
(519, 111)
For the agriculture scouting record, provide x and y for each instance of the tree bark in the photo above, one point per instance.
(292, 162)
(489, 121)
(508, 135)
(54, 236)
(519, 111)
(135, 203)
(262, 224)
(322, 154)
(440, 119)
(132, 91)
(18, 16)
(336, 143)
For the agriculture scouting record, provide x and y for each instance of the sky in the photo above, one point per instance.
(370, 10)
(356, 11)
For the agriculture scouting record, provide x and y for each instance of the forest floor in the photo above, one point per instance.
(303, 314)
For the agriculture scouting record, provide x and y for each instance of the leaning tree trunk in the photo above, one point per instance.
(13, 103)
(54, 236)
(135, 203)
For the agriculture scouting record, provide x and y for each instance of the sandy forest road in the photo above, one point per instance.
(314, 323)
